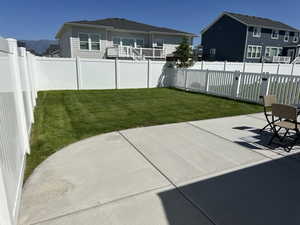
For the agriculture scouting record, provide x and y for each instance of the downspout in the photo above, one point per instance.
(246, 42)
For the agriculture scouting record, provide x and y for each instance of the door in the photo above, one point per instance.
(291, 53)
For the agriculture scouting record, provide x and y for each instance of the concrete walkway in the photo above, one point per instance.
(210, 172)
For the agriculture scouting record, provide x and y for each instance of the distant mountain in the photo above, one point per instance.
(39, 46)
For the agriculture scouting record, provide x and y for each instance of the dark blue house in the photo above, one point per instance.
(242, 38)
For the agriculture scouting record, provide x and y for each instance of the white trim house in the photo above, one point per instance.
(118, 38)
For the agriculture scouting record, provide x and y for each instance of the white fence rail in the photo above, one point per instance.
(274, 68)
(238, 85)
(82, 74)
(17, 101)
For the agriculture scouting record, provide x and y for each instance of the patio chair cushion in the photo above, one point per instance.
(287, 124)
(269, 100)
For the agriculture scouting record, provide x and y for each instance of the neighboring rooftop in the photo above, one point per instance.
(259, 21)
(124, 24)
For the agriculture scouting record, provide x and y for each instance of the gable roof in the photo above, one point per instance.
(259, 21)
(256, 22)
(124, 24)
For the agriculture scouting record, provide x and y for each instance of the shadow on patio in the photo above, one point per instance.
(267, 193)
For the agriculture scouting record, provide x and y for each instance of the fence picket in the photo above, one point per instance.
(246, 86)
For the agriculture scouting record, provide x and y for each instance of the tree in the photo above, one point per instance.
(184, 54)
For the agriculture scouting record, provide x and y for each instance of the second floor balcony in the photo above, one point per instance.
(277, 59)
(135, 52)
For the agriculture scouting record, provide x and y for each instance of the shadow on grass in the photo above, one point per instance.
(265, 194)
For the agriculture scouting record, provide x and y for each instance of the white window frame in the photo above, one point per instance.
(279, 50)
(212, 51)
(275, 32)
(140, 39)
(286, 35)
(257, 32)
(154, 43)
(255, 56)
(132, 38)
(90, 42)
(296, 37)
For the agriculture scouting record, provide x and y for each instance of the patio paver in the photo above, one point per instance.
(175, 174)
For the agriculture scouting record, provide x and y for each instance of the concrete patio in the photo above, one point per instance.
(210, 172)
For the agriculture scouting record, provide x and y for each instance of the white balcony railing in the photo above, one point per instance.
(135, 53)
(277, 59)
(296, 60)
(281, 59)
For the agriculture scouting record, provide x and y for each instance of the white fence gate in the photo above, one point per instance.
(238, 85)
(17, 101)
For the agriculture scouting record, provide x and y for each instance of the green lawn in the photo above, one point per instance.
(64, 117)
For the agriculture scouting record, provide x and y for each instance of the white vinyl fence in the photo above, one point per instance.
(273, 68)
(238, 85)
(17, 101)
(23, 74)
(84, 74)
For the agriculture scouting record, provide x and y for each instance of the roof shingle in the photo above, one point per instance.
(263, 22)
(124, 24)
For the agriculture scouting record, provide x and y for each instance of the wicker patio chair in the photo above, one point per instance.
(267, 102)
(288, 121)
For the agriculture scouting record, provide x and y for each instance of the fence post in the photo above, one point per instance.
(224, 65)
(202, 62)
(264, 85)
(30, 79)
(206, 82)
(235, 85)
(78, 72)
(292, 68)
(148, 73)
(185, 79)
(31, 72)
(27, 85)
(244, 67)
(116, 73)
(20, 107)
(262, 67)
(278, 68)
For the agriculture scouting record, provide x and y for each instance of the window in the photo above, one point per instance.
(139, 43)
(273, 51)
(296, 38)
(84, 41)
(275, 34)
(128, 42)
(212, 51)
(116, 41)
(286, 36)
(95, 42)
(254, 52)
(158, 43)
(256, 32)
(89, 41)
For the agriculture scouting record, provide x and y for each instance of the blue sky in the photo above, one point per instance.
(38, 19)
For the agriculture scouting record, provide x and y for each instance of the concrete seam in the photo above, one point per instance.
(170, 181)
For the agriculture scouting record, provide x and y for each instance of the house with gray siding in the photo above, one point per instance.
(243, 38)
(118, 38)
